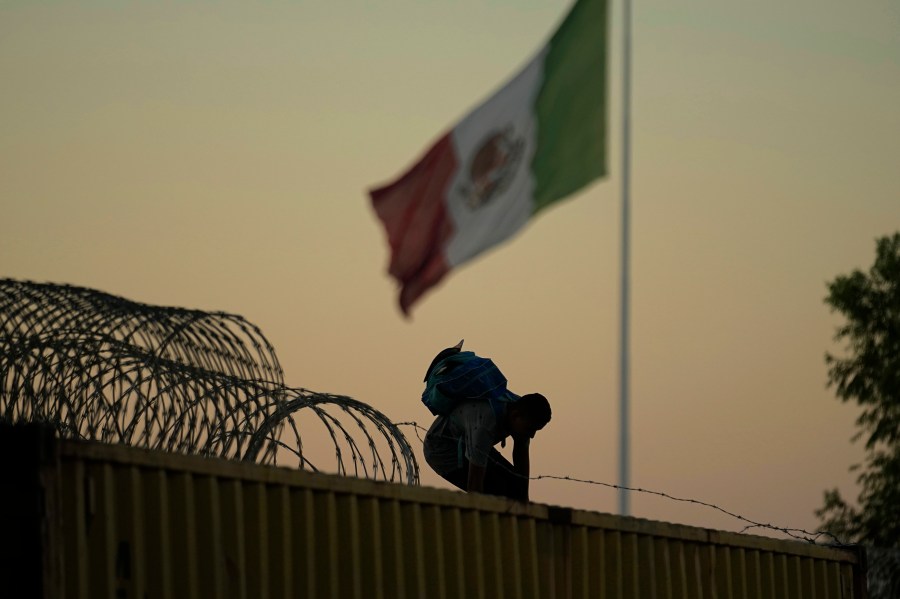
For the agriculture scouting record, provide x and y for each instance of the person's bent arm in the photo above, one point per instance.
(522, 461)
(476, 478)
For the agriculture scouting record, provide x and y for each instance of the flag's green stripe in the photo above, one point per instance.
(571, 105)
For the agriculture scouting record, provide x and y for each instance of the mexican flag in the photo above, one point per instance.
(538, 139)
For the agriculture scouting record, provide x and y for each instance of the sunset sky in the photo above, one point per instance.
(217, 155)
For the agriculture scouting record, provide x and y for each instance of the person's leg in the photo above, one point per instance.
(435, 450)
(502, 479)
(459, 477)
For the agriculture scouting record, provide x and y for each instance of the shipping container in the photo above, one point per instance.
(89, 520)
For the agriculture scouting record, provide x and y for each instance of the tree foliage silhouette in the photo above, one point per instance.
(869, 374)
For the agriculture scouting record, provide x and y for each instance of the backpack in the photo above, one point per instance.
(455, 376)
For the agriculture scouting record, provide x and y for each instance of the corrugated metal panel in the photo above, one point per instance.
(144, 524)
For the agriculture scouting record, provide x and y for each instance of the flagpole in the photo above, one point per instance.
(624, 437)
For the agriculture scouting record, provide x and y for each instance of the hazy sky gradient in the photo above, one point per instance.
(216, 155)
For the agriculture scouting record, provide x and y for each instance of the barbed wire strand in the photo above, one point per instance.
(795, 533)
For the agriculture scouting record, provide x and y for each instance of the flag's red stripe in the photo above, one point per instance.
(418, 228)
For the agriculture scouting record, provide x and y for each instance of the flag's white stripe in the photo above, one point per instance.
(477, 229)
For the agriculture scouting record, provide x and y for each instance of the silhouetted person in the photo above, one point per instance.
(475, 411)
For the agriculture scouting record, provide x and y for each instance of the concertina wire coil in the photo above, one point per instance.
(99, 367)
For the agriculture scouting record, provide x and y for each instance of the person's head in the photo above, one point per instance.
(528, 415)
